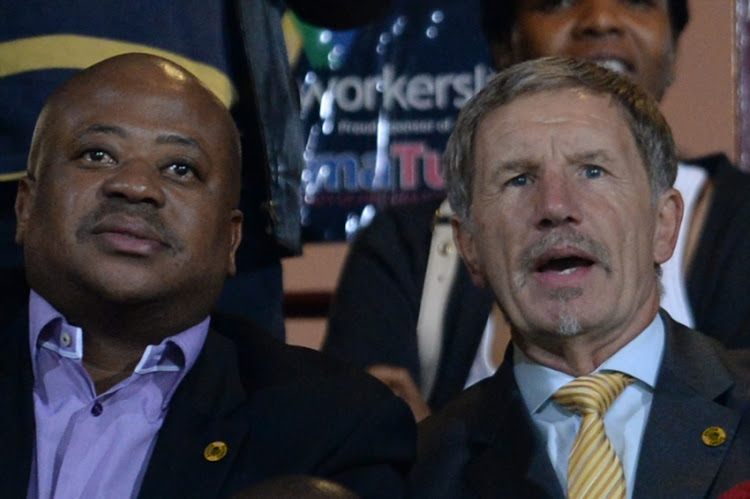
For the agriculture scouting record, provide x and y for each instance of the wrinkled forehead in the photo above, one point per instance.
(571, 123)
(551, 106)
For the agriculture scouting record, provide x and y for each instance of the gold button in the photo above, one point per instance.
(215, 451)
(65, 339)
(713, 436)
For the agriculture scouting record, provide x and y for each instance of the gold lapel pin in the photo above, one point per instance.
(215, 451)
(713, 436)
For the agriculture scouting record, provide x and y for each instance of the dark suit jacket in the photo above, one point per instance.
(484, 443)
(375, 311)
(376, 307)
(720, 271)
(279, 409)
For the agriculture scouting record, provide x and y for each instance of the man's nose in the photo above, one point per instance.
(598, 18)
(136, 181)
(557, 202)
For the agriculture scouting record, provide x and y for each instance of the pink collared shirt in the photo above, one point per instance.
(90, 445)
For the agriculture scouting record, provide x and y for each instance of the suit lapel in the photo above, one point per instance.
(674, 461)
(16, 409)
(465, 319)
(209, 406)
(511, 461)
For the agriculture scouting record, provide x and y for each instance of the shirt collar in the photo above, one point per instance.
(640, 358)
(49, 329)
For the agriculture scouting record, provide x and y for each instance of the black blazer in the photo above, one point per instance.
(376, 307)
(279, 409)
(718, 279)
(484, 443)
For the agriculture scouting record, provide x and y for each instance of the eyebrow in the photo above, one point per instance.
(101, 128)
(171, 138)
(590, 156)
(181, 140)
(529, 164)
(514, 165)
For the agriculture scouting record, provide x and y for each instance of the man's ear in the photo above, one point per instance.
(463, 235)
(235, 239)
(24, 202)
(669, 210)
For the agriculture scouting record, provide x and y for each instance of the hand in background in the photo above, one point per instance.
(403, 385)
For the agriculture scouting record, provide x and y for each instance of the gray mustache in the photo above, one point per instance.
(570, 238)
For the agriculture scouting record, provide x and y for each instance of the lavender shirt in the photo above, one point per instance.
(89, 445)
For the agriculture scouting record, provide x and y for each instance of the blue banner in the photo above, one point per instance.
(378, 104)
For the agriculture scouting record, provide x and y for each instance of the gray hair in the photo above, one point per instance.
(650, 130)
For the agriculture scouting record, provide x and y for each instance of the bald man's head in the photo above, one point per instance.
(132, 190)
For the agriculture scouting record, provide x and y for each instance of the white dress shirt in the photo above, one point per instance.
(690, 182)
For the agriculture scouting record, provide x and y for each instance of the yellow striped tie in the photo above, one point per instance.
(594, 470)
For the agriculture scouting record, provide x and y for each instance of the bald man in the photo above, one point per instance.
(117, 381)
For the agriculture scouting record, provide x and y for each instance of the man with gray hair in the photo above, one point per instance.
(560, 173)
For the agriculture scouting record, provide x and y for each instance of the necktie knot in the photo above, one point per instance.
(594, 470)
(592, 393)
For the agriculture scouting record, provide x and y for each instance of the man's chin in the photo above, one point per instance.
(564, 317)
(129, 296)
(126, 286)
(568, 325)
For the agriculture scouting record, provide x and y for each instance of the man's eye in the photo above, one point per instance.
(593, 172)
(97, 156)
(181, 170)
(519, 181)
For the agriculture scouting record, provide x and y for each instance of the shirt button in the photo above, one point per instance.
(65, 339)
(97, 409)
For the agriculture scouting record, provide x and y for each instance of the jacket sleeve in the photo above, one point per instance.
(374, 314)
(376, 457)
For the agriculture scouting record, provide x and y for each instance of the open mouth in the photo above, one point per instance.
(611, 61)
(564, 265)
(613, 65)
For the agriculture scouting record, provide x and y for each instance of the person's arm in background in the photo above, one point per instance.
(403, 385)
(374, 314)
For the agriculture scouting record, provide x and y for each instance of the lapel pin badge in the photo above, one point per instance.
(215, 451)
(713, 436)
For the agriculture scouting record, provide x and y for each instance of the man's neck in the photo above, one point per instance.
(116, 336)
(583, 353)
(109, 360)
